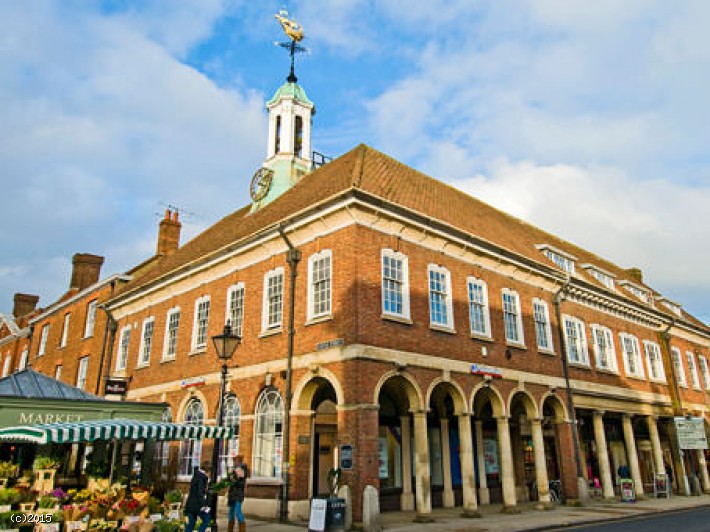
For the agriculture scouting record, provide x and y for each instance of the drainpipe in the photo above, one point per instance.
(665, 340)
(106, 347)
(29, 346)
(293, 257)
(557, 300)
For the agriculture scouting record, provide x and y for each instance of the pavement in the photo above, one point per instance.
(529, 518)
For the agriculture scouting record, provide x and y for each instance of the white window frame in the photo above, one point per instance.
(313, 285)
(631, 349)
(677, 357)
(170, 341)
(57, 372)
(43, 340)
(90, 318)
(546, 346)
(704, 371)
(653, 352)
(147, 337)
(229, 448)
(65, 330)
(483, 311)
(235, 308)
(124, 342)
(197, 324)
(576, 343)
(448, 304)
(190, 451)
(603, 340)
(81, 372)
(6, 365)
(560, 258)
(273, 321)
(397, 287)
(24, 357)
(268, 440)
(693, 369)
(514, 311)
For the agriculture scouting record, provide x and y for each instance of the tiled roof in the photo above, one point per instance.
(377, 174)
(30, 384)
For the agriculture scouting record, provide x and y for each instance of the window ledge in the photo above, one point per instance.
(165, 360)
(270, 332)
(198, 351)
(516, 345)
(579, 365)
(397, 319)
(636, 377)
(442, 328)
(318, 319)
(608, 371)
(482, 337)
(87, 337)
(548, 352)
(658, 381)
(143, 365)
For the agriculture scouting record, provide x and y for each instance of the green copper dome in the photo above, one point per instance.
(290, 90)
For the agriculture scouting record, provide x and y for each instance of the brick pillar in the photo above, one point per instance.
(567, 466)
(300, 473)
(358, 425)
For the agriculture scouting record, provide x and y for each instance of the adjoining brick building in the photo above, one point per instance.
(444, 346)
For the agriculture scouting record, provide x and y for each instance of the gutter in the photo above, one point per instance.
(293, 257)
(107, 345)
(557, 301)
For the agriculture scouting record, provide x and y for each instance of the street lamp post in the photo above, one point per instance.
(225, 345)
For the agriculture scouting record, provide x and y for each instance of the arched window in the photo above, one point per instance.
(191, 450)
(267, 455)
(230, 448)
(277, 140)
(298, 137)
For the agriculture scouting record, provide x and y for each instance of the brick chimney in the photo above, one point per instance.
(86, 269)
(636, 274)
(24, 304)
(169, 233)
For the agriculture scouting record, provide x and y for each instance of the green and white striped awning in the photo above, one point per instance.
(111, 429)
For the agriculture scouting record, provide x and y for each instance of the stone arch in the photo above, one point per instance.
(485, 391)
(456, 393)
(192, 394)
(412, 390)
(527, 400)
(309, 384)
(554, 401)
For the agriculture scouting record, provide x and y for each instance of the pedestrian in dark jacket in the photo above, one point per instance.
(235, 497)
(197, 504)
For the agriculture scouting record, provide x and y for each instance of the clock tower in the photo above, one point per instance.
(288, 156)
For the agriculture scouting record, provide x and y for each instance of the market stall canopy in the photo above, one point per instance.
(28, 397)
(111, 429)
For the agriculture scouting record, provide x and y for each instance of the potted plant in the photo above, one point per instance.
(335, 509)
(7, 470)
(47, 502)
(155, 509)
(27, 500)
(9, 520)
(173, 499)
(8, 497)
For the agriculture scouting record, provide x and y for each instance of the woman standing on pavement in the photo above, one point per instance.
(235, 497)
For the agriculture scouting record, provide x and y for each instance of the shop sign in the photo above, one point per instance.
(115, 387)
(481, 369)
(193, 381)
(48, 417)
(691, 432)
(317, 517)
(346, 456)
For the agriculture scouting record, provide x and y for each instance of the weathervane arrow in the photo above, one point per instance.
(294, 32)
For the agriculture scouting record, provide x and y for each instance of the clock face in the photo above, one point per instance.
(261, 183)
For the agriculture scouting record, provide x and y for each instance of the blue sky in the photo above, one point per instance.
(590, 120)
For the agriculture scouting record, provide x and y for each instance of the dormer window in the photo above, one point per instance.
(560, 258)
(604, 277)
(673, 307)
(641, 293)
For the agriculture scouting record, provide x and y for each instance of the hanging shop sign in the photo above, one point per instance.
(691, 432)
(115, 387)
(481, 369)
